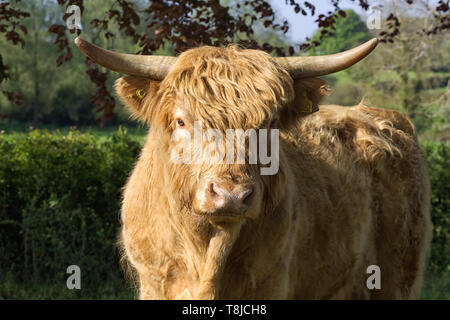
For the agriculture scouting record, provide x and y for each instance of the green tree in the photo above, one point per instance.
(411, 76)
(56, 95)
(348, 32)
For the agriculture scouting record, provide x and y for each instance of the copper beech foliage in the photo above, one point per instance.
(187, 24)
(10, 26)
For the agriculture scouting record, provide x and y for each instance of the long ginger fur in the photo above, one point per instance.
(352, 190)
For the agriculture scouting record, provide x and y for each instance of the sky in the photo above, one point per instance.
(301, 26)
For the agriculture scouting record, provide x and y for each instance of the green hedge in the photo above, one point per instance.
(438, 156)
(59, 205)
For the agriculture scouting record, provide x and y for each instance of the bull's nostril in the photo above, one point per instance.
(221, 198)
(212, 190)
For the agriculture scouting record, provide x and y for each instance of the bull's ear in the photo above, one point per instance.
(135, 93)
(308, 94)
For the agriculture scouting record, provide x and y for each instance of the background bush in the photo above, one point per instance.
(438, 155)
(59, 205)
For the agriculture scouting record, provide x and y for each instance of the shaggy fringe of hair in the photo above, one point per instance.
(212, 80)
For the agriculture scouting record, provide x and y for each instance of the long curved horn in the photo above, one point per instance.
(307, 67)
(154, 67)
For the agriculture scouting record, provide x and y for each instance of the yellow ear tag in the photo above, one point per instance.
(140, 93)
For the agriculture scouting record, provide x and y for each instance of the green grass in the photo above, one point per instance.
(436, 287)
(113, 289)
(19, 127)
(101, 134)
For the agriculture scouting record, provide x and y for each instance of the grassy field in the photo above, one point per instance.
(435, 287)
(138, 130)
(11, 289)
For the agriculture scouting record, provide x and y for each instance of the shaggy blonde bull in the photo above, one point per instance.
(352, 189)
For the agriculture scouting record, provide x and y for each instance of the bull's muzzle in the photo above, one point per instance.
(225, 201)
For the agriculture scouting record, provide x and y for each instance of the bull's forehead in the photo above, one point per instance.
(229, 87)
(218, 116)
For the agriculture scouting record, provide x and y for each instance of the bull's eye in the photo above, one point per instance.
(180, 123)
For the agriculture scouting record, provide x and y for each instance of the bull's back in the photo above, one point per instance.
(376, 181)
(401, 204)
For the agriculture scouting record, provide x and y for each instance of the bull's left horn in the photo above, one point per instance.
(154, 67)
(306, 67)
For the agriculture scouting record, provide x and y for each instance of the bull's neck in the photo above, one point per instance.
(213, 262)
(204, 246)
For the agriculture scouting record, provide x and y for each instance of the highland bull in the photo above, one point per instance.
(351, 189)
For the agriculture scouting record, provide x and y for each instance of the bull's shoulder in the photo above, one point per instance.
(377, 116)
(398, 120)
(369, 134)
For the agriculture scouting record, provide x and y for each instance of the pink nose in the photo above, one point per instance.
(229, 198)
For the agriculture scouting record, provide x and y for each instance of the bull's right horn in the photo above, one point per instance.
(154, 67)
(307, 67)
